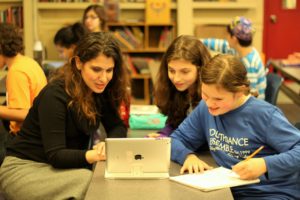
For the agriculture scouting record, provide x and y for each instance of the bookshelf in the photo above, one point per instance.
(20, 15)
(187, 15)
(151, 38)
(141, 43)
(131, 17)
(12, 13)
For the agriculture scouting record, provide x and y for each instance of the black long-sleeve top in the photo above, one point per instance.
(54, 133)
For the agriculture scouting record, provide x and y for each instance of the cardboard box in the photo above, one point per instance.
(158, 11)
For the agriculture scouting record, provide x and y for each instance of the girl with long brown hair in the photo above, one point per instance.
(177, 91)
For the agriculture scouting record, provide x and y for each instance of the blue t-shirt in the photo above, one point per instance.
(235, 135)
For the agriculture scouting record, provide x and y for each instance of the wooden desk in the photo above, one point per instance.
(290, 73)
(101, 188)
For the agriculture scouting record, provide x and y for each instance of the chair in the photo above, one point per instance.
(297, 125)
(274, 82)
(3, 139)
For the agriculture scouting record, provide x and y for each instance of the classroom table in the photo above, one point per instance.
(109, 189)
(290, 73)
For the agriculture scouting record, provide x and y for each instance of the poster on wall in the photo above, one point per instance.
(158, 11)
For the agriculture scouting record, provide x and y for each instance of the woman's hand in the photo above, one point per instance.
(153, 135)
(193, 164)
(251, 169)
(97, 154)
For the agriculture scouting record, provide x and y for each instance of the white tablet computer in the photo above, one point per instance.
(137, 158)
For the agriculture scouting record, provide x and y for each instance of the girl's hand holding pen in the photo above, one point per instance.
(250, 169)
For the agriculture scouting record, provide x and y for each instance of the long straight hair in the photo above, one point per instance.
(172, 102)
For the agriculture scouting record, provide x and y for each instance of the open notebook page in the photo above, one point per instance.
(214, 179)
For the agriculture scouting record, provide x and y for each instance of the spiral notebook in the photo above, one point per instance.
(214, 179)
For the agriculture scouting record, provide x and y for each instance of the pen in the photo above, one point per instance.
(254, 153)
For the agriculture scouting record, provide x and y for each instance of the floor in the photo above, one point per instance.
(289, 108)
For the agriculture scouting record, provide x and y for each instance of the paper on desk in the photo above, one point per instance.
(214, 179)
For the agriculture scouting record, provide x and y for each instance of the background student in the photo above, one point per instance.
(178, 91)
(235, 124)
(94, 18)
(67, 38)
(25, 78)
(50, 152)
(239, 41)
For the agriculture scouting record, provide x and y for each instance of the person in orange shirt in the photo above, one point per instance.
(25, 78)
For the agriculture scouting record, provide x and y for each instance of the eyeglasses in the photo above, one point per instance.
(91, 17)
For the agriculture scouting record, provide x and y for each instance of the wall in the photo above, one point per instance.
(281, 38)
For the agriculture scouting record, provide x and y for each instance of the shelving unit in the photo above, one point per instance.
(224, 5)
(140, 89)
(11, 12)
(27, 20)
(83, 5)
(131, 15)
(205, 13)
(144, 41)
(152, 35)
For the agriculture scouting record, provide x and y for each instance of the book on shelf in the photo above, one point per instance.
(139, 35)
(217, 178)
(129, 65)
(141, 64)
(130, 39)
(123, 42)
(127, 37)
(138, 65)
(135, 40)
(12, 15)
(166, 38)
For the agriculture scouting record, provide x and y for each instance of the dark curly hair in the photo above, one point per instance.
(11, 41)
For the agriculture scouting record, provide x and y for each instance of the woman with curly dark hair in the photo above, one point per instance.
(178, 91)
(52, 147)
(25, 78)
